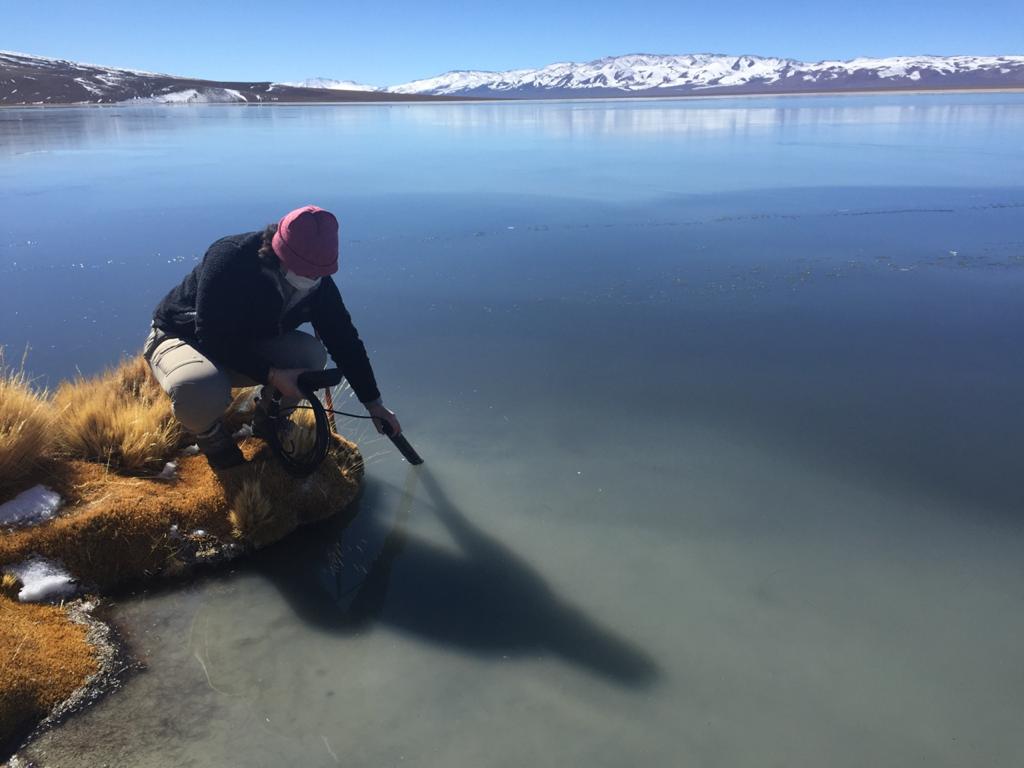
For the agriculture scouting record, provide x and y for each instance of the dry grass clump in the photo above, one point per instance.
(44, 658)
(260, 511)
(303, 434)
(120, 418)
(257, 518)
(10, 586)
(249, 510)
(24, 429)
(260, 514)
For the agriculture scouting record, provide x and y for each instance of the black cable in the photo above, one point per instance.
(293, 466)
(309, 382)
(329, 410)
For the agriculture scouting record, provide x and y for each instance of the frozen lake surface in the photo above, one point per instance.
(721, 402)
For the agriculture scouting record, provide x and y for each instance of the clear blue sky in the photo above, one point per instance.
(393, 41)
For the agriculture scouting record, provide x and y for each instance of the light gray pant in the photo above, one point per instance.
(200, 391)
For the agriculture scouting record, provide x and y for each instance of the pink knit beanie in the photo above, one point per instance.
(306, 241)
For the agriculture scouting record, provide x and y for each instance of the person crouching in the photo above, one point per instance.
(232, 323)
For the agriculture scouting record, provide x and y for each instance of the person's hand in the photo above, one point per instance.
(286, 381)
(382, 414)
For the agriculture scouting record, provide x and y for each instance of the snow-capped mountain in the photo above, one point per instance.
(27, 79)
(331, 85)
(653, 75)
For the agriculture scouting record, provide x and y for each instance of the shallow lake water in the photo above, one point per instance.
(720, 400)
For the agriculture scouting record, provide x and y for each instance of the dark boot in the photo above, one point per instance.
(265, 418)
(220, 448)
(262, 422)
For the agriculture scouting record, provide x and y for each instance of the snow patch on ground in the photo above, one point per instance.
(169, 472)
(43, 581)
(31, 507)
(192, 96)
(89, 86)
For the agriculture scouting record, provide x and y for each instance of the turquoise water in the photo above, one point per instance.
(720, 400)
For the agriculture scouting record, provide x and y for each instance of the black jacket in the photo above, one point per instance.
(232, 299)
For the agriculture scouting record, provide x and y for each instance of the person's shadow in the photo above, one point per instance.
(482, 599)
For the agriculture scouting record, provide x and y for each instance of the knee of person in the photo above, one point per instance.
(311, 351)
(198, 404)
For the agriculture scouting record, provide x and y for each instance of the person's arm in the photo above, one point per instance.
(223, 305)
(334, 324)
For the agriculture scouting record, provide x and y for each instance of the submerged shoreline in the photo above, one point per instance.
(115, 664)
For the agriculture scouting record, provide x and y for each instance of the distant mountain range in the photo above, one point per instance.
(26, 79)
(710, 73)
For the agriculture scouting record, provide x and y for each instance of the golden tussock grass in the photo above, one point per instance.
(121, 418)
(302, 436)
(119, 525)
(24, 429)
(10, 586)
(255, 519)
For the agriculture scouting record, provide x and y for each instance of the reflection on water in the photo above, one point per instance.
(691, 119)
(920, 117)
(720, 401)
